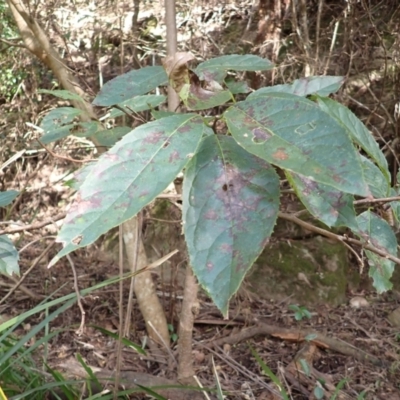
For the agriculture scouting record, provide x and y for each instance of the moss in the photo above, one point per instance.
(312, 271)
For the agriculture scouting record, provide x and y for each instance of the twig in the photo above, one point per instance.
(238, 367)
(299, 336)
(78, 297)
(31, 227)
(381, 200)
(55, 155)
(163, 342)
(339, 238)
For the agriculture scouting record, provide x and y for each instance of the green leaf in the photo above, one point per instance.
(329, 205)
(128, 177)
(237, 87)
(137, 104)
(80, 129)
(319, 393)
(378, 232)
(357, 132)
(321, 85)
(267, 371)
(126, 342)
(304, 366)
(86, 129)
(59, 117)
(109, 137)
(233, 197)
(59, 123)
(62, 94)
(79, 176)
(197, 98)
(376, 181)
(133, 83)
(294, 134)
(8, 257)
(8, 197)
(216, 68)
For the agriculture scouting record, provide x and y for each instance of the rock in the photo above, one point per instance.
(312, 271)
(394, 317)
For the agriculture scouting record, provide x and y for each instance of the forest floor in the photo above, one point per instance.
(354, 351)
(351, 352)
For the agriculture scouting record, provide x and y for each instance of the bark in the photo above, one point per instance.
(149, 305)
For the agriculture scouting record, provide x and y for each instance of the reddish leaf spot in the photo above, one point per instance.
(280, 155)
(211, 215)
(153, 138)
(260, 136)
(226, 248)
(174, 156)
(110, 156)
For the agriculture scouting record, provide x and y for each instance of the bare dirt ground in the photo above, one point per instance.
(355, 347)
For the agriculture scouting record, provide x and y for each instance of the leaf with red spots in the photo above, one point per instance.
(294, 134)
(357, 131)
(133, 83)
(203, 94)
(329, 205)
(128, 177)
(230, 205)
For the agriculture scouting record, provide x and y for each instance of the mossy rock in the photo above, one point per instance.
(311, 271)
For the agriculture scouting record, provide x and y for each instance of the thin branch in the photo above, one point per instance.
(78, 297)
(32, 227)
(381, 200)
(55, 155)
(339, 238)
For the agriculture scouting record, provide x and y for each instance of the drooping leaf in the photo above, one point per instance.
(320, 85)
(294, 134)
(201, 97)
(137, 104)
(109, 137)
(230, 205)
(129, 176)
(8, 257)
(331, 206)
(8, 197)
(376, 181)
(357, 131)
(378, 232)
(133, 83)
(216, 68)
(62, 94)
(176, 67)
